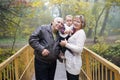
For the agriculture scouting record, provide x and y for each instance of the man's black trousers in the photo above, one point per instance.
(44, 70)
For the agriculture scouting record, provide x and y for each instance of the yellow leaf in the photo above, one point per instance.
(36, 4)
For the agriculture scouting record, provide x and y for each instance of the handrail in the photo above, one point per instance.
(19, 66)
(83, 75)
(26, 68)
(98, 68)
(13, 57)
(104, 61)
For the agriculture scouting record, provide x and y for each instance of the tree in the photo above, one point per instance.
(104, 22)
(109, 4)
(10, 14)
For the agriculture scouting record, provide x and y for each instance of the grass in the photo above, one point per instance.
(10, 40)
(7, 42)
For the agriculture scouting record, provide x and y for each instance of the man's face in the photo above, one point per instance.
(57, 23)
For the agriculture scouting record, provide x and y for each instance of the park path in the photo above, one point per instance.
(60, 72)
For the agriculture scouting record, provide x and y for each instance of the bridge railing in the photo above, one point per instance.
(98, 68)
(19, 66)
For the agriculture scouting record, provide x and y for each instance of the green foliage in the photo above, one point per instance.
(99, 48)
(1, 50)
(109, 52)
(6, 43)
(10, 13)
(56, 1)
(102, 48)
(113, 54)
(113, 51)
(4, 54)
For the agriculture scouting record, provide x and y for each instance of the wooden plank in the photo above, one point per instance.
(117, 76)
(0, 75)
(106, 73)
(98, 71)
(16, 69)
(111, 76)
(88, 65)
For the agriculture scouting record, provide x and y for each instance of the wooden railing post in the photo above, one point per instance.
(0, 75)
(87, 65)
(26, 74)
(16, 69)
(117, 76)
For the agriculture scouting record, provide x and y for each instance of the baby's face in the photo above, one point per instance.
(69, 21)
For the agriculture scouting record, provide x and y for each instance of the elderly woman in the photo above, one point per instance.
(74, 47)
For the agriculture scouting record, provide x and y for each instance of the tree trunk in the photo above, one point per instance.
(89, 33)
(15, 36)
(60, 12)
(96, 25)
(104, 23)
(95, 0)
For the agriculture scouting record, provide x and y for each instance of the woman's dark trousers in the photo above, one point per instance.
(72, 77)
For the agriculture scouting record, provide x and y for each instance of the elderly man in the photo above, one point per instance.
(45, 42)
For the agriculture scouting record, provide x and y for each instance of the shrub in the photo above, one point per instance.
(113, 50)
(99, 48)
(111, 53)
(4, 54)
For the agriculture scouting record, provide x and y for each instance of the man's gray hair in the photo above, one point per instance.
(56, 18)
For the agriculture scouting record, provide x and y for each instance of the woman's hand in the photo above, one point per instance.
(63, 42)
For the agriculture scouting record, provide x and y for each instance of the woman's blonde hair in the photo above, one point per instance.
(82, 19)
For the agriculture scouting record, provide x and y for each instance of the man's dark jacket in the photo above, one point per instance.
(42, 38)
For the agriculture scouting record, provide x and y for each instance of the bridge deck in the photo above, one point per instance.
(60, 72)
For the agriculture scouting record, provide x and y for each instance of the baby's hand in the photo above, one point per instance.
(66, 32)
(63, 42)
(70, 31)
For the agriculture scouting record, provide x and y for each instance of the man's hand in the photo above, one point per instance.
(45, 52)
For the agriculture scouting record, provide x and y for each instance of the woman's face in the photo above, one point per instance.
(77, 23)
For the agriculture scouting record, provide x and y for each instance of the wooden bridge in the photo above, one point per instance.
(20, 66)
